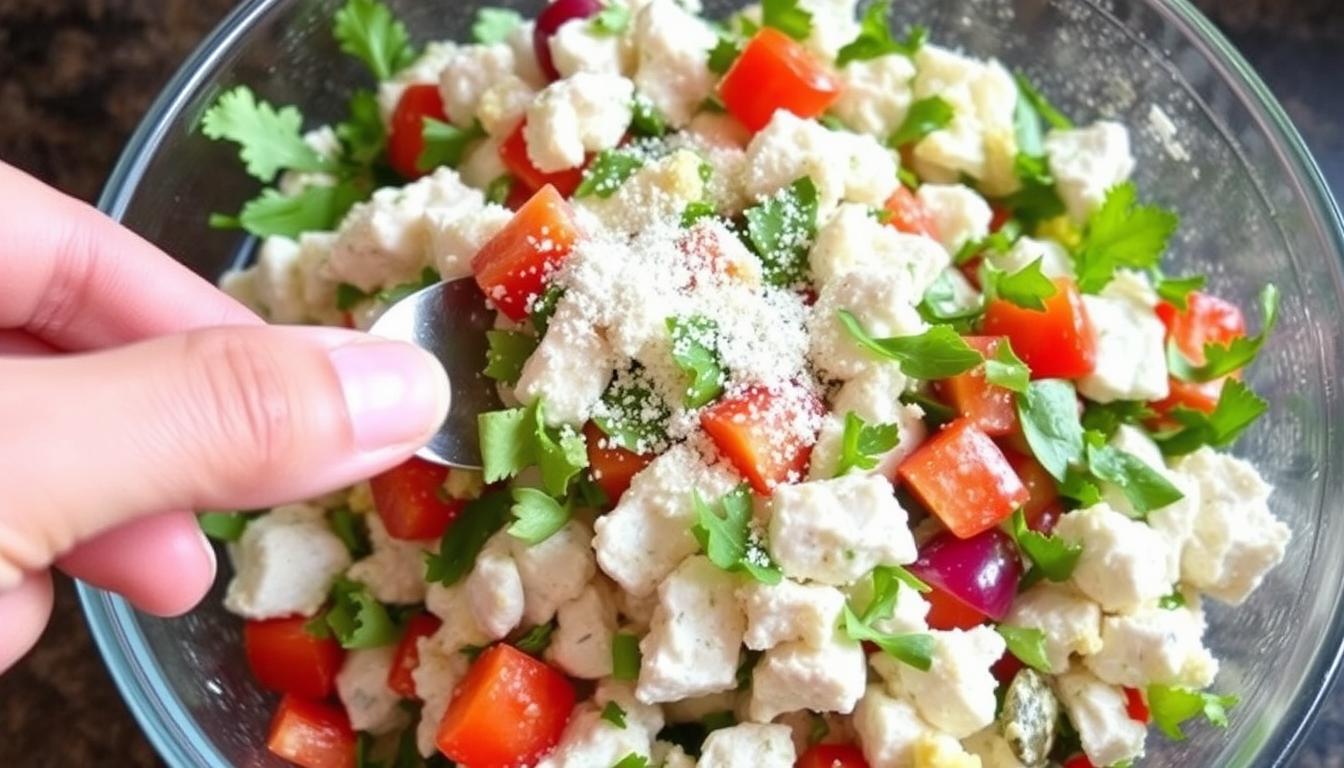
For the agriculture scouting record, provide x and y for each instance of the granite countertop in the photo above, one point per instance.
(75, 78)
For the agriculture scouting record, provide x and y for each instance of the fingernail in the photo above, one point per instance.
(396, 394)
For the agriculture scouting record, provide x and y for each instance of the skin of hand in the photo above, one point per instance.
(132, 391)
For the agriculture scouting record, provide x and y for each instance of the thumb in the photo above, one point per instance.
(238, 417)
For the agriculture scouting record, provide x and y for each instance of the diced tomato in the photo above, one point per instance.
(407, 656)
(511, 268)
(1056, 342)
(948, 612)
(1205, 320)
(612, 466)
(411, 502)
(761, 431)
(285, 658)
(1000, 214)
(832, 756)
(1006, 668)
(989, 407)
(777, 72)
(311, 734)
(909, 215)
(1195, 395)
(962, 477)
(406, 137)
(1135, 706)
(513, 152)
(1078, 761)
(508, 711)
(1042, 493)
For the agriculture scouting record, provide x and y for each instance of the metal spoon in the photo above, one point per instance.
(449, 320)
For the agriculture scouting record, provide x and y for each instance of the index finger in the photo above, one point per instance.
(76, 279)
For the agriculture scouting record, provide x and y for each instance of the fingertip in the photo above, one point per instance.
(24, 611)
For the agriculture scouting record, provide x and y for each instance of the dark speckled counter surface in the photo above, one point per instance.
(75, 77)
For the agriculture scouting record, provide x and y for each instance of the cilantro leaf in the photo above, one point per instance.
(924, 117)
(608, 172)
(875, 38)
(428, 276)
(348, 296)
(1037, 200)
(445, 143)
(943, 303)
(494, 25)
(998, 241)
(1106, 418)
(269, 140)
(514, 439)
(693, 212)
(613, 714)
(544, 307)
(632, 760)
(509, 351)
(625, 656)
(723, 55)
(1039, 103)
(886, 581)
(1177, 290)
(781, 229)
(1171, 706)
(1005, 369)
(1144, 487)
(1048, 411)
(351, 530)
(693, 352)
(223, 526)
(1238, 407)
(362, 133)
(315, 208)
(788, 17)
(611, 20)
(1121, 233)
(498, 191)
(1222, 359)
(536, 639)
(1027, 288)
(367, 30)
(1027, 644)
(537, 515)
(1172, 601)
(861, 444)
(355, 618)
(729, 541)
(646, 119)
(1052, 556)
(1078, 485)
(934, 354)
(913, 649)
(462, 542)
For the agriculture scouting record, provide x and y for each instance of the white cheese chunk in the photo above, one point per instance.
(883, 304)
(279, 283)
(585, 113)
(1070, 622)
(455, 235)
(503, 106)
(834, 25)
(570, 368)
(1154, 646)
(693, 643)
(673, 46)
(1098, 711)
(576, 47)
(992, 749)
(956, 694)
(844, 166)
(888, 728)
(362, 687)
(789, 611)
(753, 744)
(435, 678)
(284, 564)
(909, 614)
(1124, 563)
(658, 192)
(525, 54)
(554, 571)
(834, 531)
(960, 215)
(1130, 348)
(649, 717)
(1055, 260)
(468, 73)
(395, 571)
(581, 643)
(876, 94)
(793, 676)
(1086, 162)
(495, 589)
(452, 606)
(909, 421)
(980, 141)
(854, 240)
(589, 741)
(1176, 521)
(423, 71)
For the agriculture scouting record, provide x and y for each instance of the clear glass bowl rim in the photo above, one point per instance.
(157, 708)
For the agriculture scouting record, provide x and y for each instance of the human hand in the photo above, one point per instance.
(124, 403)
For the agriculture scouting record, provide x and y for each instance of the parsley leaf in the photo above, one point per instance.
(367, 30)
(695, 211)
(498, 191)
(1027, 644)
(613, 714)
(223, 526)
(462, 542)
(1039, 103)
(1005, 369)
(514, 439)
(494, 25)
(1238, 407)
(1177, 290)
(724, 54)
(1048, 411)
(646, 119)
(788, 17)
(633, 414)
(1121, 233)
(924, 117)
(1222, 359)
(537, 515)
(355, 618)
(875, 38)
(315, 208)
(445, 143)
(362, 133)
(632, 760)
(536, 639)
(886, 581)
(1052, 556)
(943, 303)
(781, 229)
(509, 351)
(1027, 288)
(1037, 200)
(625, 656)
(913, 649)
(428, 276)
(1171, 706)
(934, 354)
(351, 530)
(608, 172)
(693, 352)
(1172, 601)
(1106, 418)
(729, 541)
(611, 20)
(269, 140)
(861, 444)
(1144, 487)
(998, 241)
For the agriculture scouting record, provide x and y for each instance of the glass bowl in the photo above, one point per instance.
(1254, 209)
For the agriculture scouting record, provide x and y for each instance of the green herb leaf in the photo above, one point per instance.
(1052, 556)
(428, 276)
(999, 241)
(886, 581)
(862, 444)
(349, 296)
(646, 119)
(924, 117)
(724, 54)
(1238, 407)
(633, 414)
(536, 639)
(611, 20)
(693, 212)
(494, 25)
(788, 17)
(1040, 104)
(362, 132)
(632, 760)
(1222, 359)
(544, 307)
(943, 305)
(608, 172)
(613, 714)
(625, 656)
(1106, 418)
(781, 230)
(1028, 645)
(729, 540)
(460, 545)
(1177, 290)
(514, 439)
(1079, 486)
(269, 140)
(537, 515)
(1172, 706)
(223, 526)
(1122, 233)
(936, 412)
(875, 38)
(356, 619)
(693, 340)
(367, 30)
(318, 208)
(509, 351)
(351, 530)
(445, 144)
(1144, 487)
(1027, 288)
(499, 190)
(934, 354)
(1048, 411)
(1172, 601)
(1037, 200)
(1005, 369)
(913, 649)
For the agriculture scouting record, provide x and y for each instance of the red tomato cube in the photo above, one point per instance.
(407, 656)
(311, 734)
(766, 433)
(776, 72)
(1057, 342)
(411, 502)
(513, 153)
(285, 658)
(406, 137)
(962, 477)
(611, 466)
(991, 408)
(909, 214)
(512, 267)
(832, 756)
